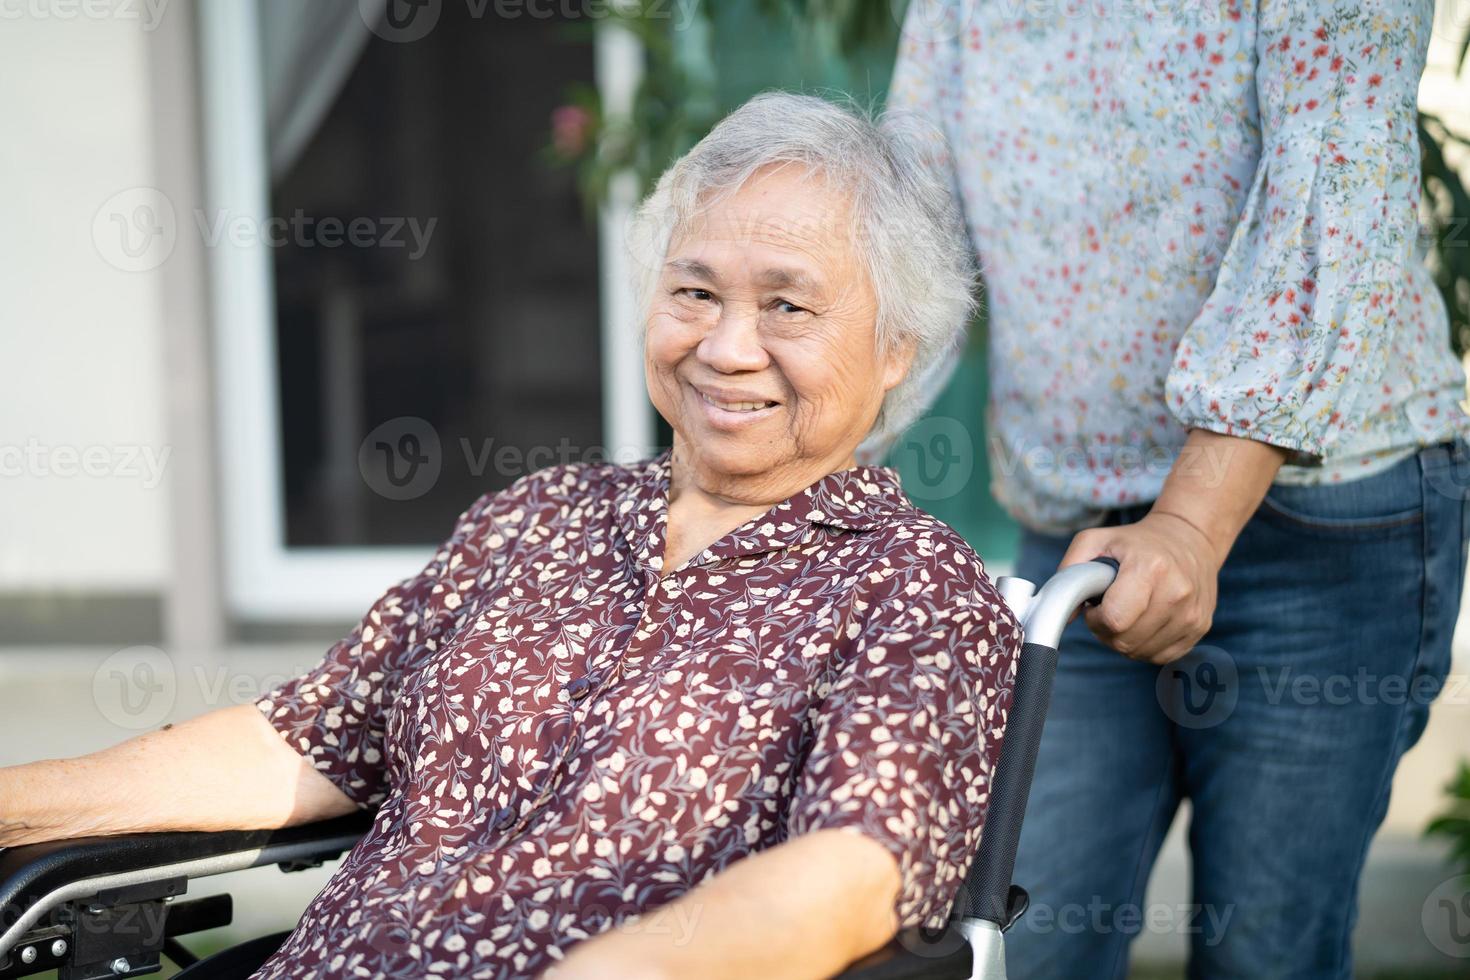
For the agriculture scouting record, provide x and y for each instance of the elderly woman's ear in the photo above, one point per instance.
(898, 361)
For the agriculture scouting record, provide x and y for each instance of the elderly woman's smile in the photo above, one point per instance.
(727, 407)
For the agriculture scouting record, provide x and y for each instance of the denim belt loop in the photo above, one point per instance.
(1440, 455)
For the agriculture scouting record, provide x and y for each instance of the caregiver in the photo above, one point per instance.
(1216, 356)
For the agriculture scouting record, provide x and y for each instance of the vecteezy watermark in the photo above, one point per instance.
(1079, 457)
(1207, 921)
(147, 12)
(1445, 917)
(1362, 687)
(1200, 689)
(482, 894)
(945, 20)
(305, 231)
(646, 234)
(1451, 20)
(1203, 688)
(137, 229)
(403, 458)
(36, 459)
(136, 687)
(404, 21)
(939, 456)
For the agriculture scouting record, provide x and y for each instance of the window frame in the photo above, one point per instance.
(264, 579)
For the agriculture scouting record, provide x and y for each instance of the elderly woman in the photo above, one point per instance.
(740, 701)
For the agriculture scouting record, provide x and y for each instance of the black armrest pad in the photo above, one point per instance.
(914, 955)
(35, 870)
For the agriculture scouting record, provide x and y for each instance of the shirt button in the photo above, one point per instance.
(580, 687)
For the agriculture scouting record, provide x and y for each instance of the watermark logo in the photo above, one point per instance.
(302, 230)
(1446, 917)
(149, 13)
(401, 459)
(939, 457)
(1200, 689)
(405, 21)
(400, 21)
(931, 21)
(135, 687)
(135, 230)
(1097, 917)
(38, 460)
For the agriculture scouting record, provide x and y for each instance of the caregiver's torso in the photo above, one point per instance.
(1110, 159)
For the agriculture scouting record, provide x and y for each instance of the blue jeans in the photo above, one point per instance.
(1283, 728)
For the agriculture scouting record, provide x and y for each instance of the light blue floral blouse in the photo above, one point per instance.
(1189, 215)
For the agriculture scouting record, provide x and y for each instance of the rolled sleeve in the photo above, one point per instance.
(906, 741)
(1295, 337)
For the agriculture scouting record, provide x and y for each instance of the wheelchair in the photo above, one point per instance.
(98, 908)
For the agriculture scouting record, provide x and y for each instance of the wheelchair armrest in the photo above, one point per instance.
(37, 880)
(915, 955)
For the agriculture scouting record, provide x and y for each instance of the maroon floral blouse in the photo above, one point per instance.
(558, 739)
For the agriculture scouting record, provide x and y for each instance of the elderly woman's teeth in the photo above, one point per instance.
(737, 406)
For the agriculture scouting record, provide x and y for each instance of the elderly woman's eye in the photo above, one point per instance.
(694, 293)
(789, 308)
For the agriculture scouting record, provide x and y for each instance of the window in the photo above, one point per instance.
(410, 305)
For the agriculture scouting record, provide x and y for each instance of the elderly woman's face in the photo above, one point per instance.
(761, 348)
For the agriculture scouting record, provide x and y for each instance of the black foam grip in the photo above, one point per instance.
(987, 886)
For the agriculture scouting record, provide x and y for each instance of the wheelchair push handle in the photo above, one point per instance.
(1043, 613)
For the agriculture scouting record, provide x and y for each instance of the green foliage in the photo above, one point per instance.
(1454, 824)
(677, 101)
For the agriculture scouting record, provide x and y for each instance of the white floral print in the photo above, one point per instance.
(558, 738)
(1198, 214)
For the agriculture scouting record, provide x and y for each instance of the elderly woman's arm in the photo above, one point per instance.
(263, 765)
(806, 908)
(225, 770)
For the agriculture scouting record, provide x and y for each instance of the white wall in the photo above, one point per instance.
(79, 338)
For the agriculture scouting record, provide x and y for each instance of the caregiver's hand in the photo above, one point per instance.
(1163, 600)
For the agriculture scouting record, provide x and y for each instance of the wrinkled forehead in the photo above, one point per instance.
(781, 210)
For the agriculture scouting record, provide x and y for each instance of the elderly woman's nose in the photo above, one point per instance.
(733, 343)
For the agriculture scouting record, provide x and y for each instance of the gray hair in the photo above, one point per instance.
(905, 221)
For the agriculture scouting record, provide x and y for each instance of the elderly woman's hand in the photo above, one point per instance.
(1163, 601)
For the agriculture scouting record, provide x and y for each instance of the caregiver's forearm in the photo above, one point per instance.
(801, 910)
(1217, 483)
(225, 770)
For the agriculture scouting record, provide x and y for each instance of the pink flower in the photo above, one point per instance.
(571, 125)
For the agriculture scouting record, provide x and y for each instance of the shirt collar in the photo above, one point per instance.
(857, 499)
